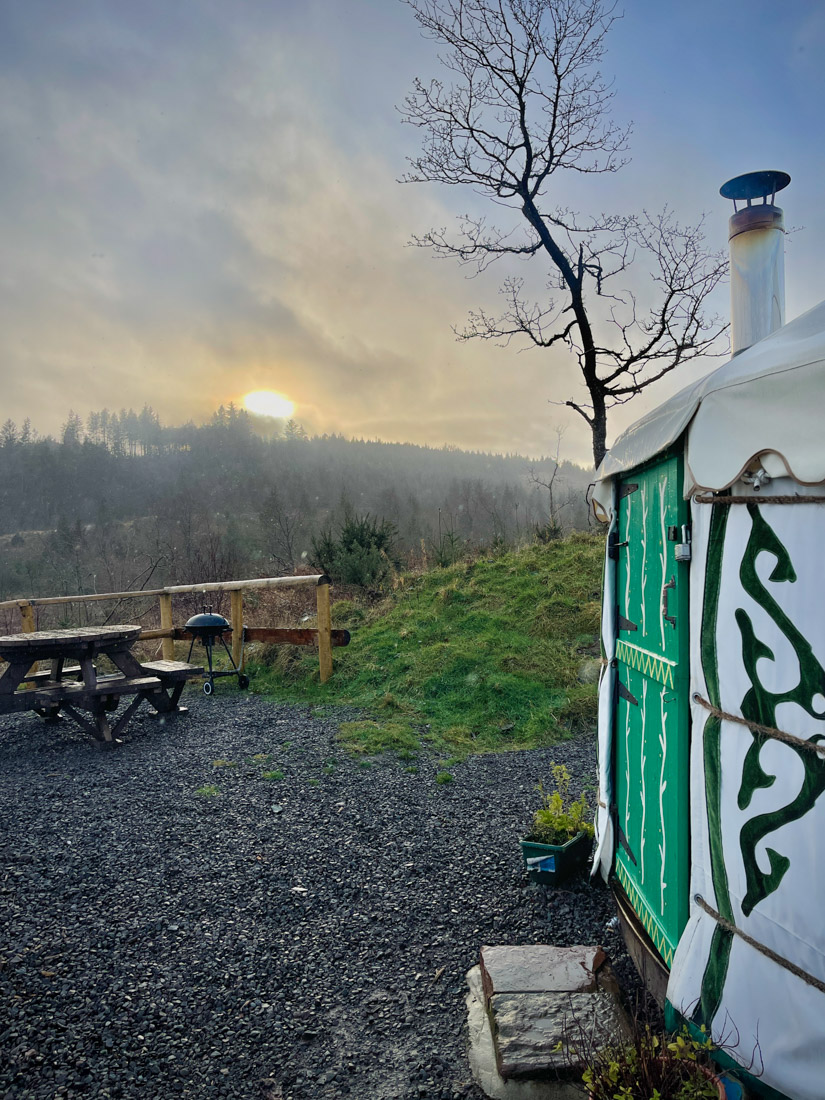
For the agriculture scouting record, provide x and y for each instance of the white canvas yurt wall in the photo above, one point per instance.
(750, 963)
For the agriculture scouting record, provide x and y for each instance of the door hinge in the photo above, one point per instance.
(623, 842)
(623, 623)
(625, 694)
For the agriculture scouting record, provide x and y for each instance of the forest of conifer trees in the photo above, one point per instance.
(120, 501)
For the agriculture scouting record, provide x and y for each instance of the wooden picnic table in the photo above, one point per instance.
(86, 696)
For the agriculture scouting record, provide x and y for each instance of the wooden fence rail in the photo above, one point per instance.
(323, 635)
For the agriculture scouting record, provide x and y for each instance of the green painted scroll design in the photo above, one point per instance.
(760, 705)
(716, 968)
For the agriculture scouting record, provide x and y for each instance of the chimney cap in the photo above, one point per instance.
(755, 185)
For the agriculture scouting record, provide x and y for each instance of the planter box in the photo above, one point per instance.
(549, 864)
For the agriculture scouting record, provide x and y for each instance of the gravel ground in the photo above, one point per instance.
(298, 937)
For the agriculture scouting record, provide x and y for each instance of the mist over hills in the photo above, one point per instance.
(121, 495)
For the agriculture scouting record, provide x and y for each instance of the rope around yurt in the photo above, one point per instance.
(754, 727)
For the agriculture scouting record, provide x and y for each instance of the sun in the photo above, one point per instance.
(269, 403)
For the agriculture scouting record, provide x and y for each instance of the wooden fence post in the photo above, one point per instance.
(236, 617)
(324, 632)
(27, 623)
(167, 644)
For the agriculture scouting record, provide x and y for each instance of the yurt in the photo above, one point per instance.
(712, 699)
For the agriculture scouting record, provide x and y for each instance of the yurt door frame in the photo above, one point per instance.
(652, 713)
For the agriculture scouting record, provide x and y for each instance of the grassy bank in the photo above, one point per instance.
(481, 656)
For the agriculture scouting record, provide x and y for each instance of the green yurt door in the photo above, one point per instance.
(652, 705)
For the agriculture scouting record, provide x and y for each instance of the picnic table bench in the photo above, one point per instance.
(78, 690)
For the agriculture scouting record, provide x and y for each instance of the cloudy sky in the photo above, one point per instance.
(200, 198)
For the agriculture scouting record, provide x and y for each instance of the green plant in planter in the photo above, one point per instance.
(558, 819)
(561, 837)
(651, 1066)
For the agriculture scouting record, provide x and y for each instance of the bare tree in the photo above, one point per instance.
(527, 100)
(556, 506)
(281, 525)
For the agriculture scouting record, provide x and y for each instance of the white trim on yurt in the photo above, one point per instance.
(768, 401)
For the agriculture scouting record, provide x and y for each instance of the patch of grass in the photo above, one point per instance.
(223, 764)
(313, 782)
(370, 737)
(261, 758)
(208, 791)
(479, 656)
(412, 770)
(443, 777)
(276, 775)
(329, 769)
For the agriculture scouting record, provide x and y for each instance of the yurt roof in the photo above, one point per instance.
(768, 400)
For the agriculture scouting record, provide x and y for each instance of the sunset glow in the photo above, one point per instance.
(269, 403)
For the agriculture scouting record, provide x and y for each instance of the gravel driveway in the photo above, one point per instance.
(304, 936)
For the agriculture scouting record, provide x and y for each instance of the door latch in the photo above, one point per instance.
(682, 550)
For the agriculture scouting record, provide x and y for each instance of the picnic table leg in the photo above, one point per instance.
(13, 677)
(165, 700)
(98, 726)
(126, 662)
(123, 721)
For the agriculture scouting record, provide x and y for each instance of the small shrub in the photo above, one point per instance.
(558, 819)
(362, 553)
(651, 1067)
(443, 777)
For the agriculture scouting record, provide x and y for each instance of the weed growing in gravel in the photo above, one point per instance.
(329, 769)
(412, 770)
(277, 775)
(223, 764)
(313, 782)
(443, 777)
(364, 763)
(483, 656)
(208, 791)
(261, 758)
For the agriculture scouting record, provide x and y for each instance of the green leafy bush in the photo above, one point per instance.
(558, 819)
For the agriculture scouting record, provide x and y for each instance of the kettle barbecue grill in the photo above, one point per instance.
(209, 628)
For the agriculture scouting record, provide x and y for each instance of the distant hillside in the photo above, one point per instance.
(103, 509)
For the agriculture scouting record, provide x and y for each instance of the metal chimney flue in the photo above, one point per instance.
(757, 257)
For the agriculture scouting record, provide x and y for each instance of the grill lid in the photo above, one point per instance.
(209, 622)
